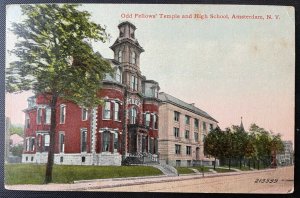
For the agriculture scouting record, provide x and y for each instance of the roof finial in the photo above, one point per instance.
(242, 126)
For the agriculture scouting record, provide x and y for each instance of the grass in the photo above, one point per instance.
(223, 170)
(184, 170)
(199, 168)
(34, 174)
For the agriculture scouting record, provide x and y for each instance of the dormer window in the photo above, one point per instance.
(120, 56)
(118, 76)
(134, 83)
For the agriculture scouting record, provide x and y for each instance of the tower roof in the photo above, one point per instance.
(241, 125)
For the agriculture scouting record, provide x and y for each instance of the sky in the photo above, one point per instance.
(227, 67)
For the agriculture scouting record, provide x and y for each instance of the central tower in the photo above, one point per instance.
(127, 52)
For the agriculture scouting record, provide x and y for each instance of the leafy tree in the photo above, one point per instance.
(240, 142)
(55, 59)
(14, 129)
(213, 144)
(17, 150)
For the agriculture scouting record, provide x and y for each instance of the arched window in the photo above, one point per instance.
(117, 111)
(120, 56)
(133, 57)
(118, 75)
(155, 123)
(106, 141)
(133, 115)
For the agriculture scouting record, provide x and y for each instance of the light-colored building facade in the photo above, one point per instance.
(182, 129)
(287, 156)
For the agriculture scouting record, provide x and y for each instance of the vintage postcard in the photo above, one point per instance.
(150, 98)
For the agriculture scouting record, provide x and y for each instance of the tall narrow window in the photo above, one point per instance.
(176, 132)
(134, 83)
(177, 149)
(187, 119)
(133, 57)
(62, 113)
(84, 114)
(120, 56)
(47, 115)
(39, 116)
(116, 141)
(117, 112)
(176, 116)
(155, 121)
(27, 144)
(118, 75)
(31, 144)
(61, 142)
(107, 110)
(106, 141)
(204, 126)
(196, 136)
(196, 123)
(133, 114)
(147, 119)
(27, 121)
(83, 140)
(188, 150)
(187, 134)
(46, 142)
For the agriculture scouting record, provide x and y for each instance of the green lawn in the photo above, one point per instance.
(184, 170)
(34, 174)
(205, 169)
(223, 170)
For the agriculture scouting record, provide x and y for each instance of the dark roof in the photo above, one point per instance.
(177, 102)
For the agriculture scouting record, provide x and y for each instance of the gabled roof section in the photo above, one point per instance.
(164, 97)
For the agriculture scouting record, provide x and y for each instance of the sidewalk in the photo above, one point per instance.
(117, 182)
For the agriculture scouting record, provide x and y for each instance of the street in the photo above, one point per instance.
(283, 182)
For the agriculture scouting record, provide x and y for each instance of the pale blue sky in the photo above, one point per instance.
(228, 68)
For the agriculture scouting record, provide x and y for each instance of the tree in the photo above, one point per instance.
(55, 59)
(17, 150)
(213, 144)
(14, 129)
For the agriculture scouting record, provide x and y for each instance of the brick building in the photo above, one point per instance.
(129, 116)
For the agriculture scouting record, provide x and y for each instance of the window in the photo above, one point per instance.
(176, 116)
(46, 142)
(117, 112)
(196, 123)
(84, 114)
(106, 141)
(27, 144)
(133, 114)
(133, 58)
(187, 119)
(116, 143)
(39, 116)
(83, 140)
(187, 134)
(177, 148)
(155, 122)
(211, 127)
(204, 126)
(134, 83)
(196, 136)
(27, 121)
(39, 140)
(107, 110)
(155, 145)
(48, 116)
(178, 163)
(118, 75)
(151, 146)
(62, 116)
(31, 144)
(188, 150)
(61, 142)
(120, 56)
(147, 119)
(176, 132)
(203, 137)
